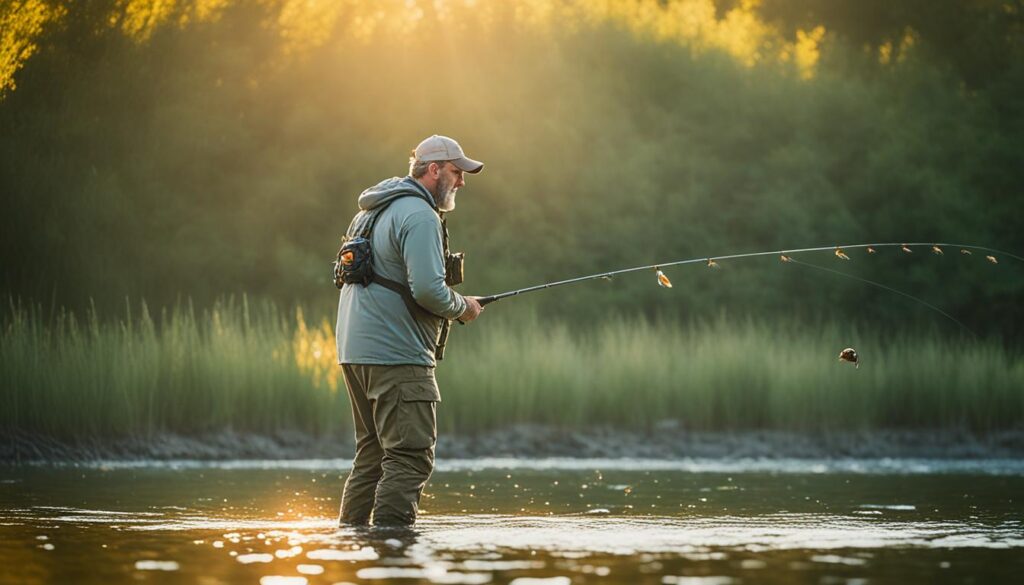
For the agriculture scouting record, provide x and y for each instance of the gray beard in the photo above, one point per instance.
(444, 195)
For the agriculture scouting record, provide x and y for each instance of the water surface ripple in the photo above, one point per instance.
(554, 521)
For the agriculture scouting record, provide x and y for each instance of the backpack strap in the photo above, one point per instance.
(415, 309)
(363, 223)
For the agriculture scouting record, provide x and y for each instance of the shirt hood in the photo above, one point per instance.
(390, 189)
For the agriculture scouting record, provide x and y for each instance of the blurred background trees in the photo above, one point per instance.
(170, 149)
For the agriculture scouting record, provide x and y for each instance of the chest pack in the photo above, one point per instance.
(354, 265)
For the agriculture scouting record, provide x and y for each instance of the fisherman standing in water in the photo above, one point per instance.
(394, 313)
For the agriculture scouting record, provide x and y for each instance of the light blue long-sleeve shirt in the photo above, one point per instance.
(374, 325)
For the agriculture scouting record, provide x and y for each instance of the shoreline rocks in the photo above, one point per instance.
(532, 441)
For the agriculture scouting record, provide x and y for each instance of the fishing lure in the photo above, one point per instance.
(663, 280)
(712, 263)
(937, 250)
(841, 254)
(849, 355)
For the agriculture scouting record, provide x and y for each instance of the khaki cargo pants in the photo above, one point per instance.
(394, 409)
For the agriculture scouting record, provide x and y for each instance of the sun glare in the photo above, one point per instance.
(303, 25)
(314, 352)
(20, 26)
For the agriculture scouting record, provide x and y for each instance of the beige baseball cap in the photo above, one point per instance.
(438, 148)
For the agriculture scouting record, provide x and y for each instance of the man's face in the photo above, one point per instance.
(449, 181)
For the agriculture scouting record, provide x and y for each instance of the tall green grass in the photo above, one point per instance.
(727, 374)
(261, 369)
(228, 367)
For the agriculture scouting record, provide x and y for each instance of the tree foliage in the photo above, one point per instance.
(212, 148)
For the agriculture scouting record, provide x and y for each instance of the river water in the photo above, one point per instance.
(528, 522)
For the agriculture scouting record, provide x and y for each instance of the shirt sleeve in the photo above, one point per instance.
(423, 253)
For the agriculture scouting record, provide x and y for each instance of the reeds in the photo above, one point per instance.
(232, 367)
(260, 369)
(726, 374)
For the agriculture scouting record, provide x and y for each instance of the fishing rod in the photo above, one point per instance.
(784, 255)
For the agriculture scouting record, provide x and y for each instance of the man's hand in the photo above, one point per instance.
(473, 310)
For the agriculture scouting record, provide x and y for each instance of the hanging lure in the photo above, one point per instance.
(841, 254)
(992, 259)
(871, 250)
(906, 249)
(785, 258)
(662, 279)
(712, 263)
(937, 250)
(849, 355)
(965, 252)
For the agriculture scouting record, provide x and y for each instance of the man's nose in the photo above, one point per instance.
(460, 182)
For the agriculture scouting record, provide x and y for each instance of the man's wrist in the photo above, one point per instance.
(461, 305)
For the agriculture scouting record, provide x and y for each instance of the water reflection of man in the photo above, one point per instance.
(387, 334)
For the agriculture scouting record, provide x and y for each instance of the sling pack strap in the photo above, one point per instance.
(364, 221)
(417, 310)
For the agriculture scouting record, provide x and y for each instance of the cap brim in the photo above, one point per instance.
(468, 165)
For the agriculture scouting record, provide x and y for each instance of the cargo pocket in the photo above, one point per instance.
(417, 414)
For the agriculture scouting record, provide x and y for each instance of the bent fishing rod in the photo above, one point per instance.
(784, 255)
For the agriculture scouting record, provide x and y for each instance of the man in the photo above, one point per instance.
(388, 332)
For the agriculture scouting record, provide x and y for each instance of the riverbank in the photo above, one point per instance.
(535, 441)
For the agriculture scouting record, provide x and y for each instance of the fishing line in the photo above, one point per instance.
(888, 288)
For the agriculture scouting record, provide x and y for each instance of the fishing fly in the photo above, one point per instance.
(849, 355)
(662, 279)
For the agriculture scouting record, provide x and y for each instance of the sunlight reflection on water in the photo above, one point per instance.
(494, 521)
(583, 533)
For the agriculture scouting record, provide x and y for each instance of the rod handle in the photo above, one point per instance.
(488, 300)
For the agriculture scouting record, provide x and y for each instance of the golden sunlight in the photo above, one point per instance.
(303, 25)
(314, 352)
(20, 26)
